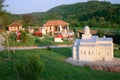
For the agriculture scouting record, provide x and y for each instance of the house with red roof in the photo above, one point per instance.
(58, 38)
(15, 26)
(56, 26)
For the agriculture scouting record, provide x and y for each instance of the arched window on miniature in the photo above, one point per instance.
(84, 53)
(89, 52)
(81, 52)
(99, 53)
(92, 52)
(107, 53)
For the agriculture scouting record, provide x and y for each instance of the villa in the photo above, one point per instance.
(15, 26)
(56, 26)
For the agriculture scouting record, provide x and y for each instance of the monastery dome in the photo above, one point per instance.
(86, 30)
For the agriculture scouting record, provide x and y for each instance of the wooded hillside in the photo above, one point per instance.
(92, 13)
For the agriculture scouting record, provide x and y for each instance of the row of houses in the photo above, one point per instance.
(50, 26)
(55, 26)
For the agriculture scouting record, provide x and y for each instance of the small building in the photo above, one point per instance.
(15, 26)
(92, 48)
(58, 38)
(42, 29)
(70, 38)
(31, 30)
(56, 26)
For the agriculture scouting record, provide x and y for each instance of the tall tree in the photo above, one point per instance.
(27, 19)
(4, 16)
(1, 6)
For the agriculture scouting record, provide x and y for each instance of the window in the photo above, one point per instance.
(84, 53)
(98, 53)
(89, 52)
(81, 52)
(92, 52)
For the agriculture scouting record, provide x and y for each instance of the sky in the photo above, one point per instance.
(28, 6)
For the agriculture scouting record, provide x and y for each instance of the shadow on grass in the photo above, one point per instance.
(67, 52)
(43, 42)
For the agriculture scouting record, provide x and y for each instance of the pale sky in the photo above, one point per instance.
(28, 6)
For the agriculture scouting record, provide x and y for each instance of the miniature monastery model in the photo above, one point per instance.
(92, 48)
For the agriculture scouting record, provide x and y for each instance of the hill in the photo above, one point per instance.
(92, 13)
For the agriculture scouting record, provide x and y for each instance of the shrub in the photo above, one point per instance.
(48, 48)
(30, 67)
(23, 36)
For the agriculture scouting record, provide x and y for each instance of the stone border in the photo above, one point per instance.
(112, 66)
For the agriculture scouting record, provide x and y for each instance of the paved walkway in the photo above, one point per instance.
(37, 47)
(113, 65)
(1, 48)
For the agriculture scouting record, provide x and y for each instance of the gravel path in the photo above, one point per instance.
(1, 48)
(38, 47)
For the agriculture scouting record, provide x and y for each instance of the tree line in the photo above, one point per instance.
(97, 14)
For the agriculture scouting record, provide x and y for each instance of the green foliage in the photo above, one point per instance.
(100, 33)
(48, 48)
(23, 36)
(55, 67)
(27, 19)
(36, 41)
(93, 13)
(30, 67)
(4, 16)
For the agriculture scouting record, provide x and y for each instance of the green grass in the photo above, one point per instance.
(36, 41)
(55, 66)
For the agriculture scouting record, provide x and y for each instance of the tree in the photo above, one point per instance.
(4, 16)
(23, 36)
(1, 11)
(27, 19)
(100, 33)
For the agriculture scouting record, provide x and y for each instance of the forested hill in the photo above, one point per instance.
(92, 13)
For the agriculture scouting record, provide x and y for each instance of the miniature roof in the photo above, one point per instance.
(91, 31)
(93, 39)
(86, 30)
(104, 39)
(59, 36)
(15, 24)
(56, 23)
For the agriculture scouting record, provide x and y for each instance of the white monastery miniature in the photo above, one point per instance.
(92, 48)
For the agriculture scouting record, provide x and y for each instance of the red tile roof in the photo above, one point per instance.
(56, 23)
(91, 31)
(59, 36)
(15, 24)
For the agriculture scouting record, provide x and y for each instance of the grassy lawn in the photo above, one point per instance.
(55, 66)
(36, 41)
